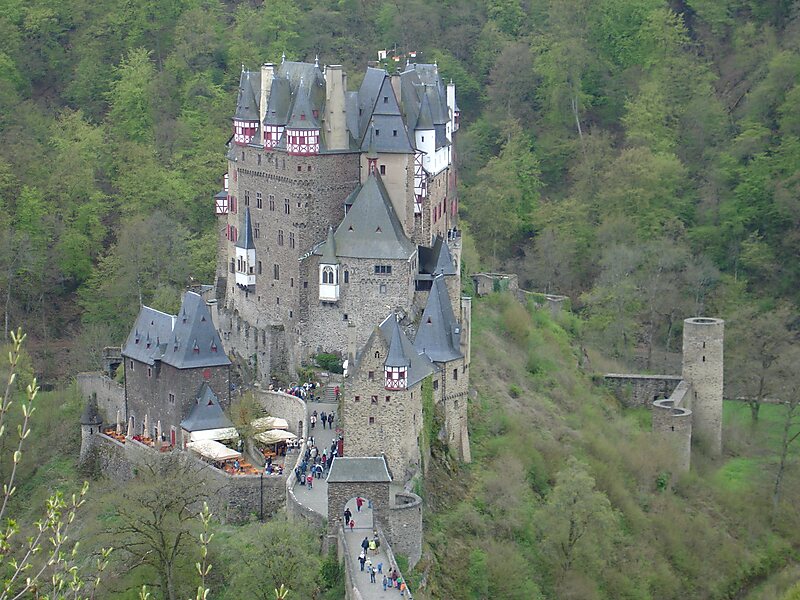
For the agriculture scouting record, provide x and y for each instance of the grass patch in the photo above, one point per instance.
(738, 474)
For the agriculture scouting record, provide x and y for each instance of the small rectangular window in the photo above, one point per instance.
(382, 288)
(371, 375)
(149, 372)
(372, 420)
(280, 238)
(387, 398)
(455, 374)
(435, 384)
(394, 132)
(259, 199)
(276, 272)
(131, 365)
(383, 169)
(172, 398)
(357, 398)
(291, 239)
(259, 267)
(247, 198)
(257, 230)
(386, 99)
(374, 400)
(287, 209)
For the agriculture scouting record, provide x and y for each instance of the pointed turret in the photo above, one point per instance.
(246, 119)
(397, 361)
(439, 334)
(329, 271)
(246, 254)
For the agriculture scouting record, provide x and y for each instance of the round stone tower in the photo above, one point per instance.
(674, 424)
(91, 424)
(702, 369)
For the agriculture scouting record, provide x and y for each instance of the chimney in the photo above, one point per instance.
(267, 75)
(395, 79)
(335, 116)
(451, 104)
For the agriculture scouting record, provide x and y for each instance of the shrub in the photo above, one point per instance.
(329, 362)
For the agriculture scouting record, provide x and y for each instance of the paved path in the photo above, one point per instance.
(317, 497)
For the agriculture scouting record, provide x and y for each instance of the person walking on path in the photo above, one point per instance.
(313, 421)
(372, 574)
(394, 577)
(359, 504)
(362, 558)
(365, 544)
(347, 515)
(373, 547)
(369, 564)
(352, 524)
(330, 420)
(310, 481)
(385, 582)
(324, 418)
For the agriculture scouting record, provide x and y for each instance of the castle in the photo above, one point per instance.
(338, 234)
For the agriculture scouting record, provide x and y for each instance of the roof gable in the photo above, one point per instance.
(247, 239)
(401, 349)
(194, 341)
(206, 413)
(249, 92)
(149, 335)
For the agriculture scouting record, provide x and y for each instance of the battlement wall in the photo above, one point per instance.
(110, 395)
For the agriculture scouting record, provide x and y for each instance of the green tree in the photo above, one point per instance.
(131, 98)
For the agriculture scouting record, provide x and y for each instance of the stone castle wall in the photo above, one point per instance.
(110, 395)
(232, 498)
(640, 390)
(672, 421)
(405, 526)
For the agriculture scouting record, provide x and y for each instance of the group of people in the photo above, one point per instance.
(323, 417)
(305, 391)
(314, 463)
(270, 468)
(391, 579)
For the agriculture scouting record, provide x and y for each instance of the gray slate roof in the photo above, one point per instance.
(149, 336)
(329, 250)
(194, 338)
(371, 228)
(435, 260)
(419, 365)
(246, 241)
(249, 94)
(206, 413)
(346, 469)
(439, 334)
(184, 341)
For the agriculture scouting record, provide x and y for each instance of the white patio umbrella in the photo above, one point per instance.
(158, 431)
(145, 427)
(119, 424)
(130, 428)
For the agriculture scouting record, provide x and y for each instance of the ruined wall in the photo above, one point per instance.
(640, 390)
(672, 422)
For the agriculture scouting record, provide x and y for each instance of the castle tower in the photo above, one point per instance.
(702, 369)
(91, 424)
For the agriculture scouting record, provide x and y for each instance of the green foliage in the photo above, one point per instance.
(329, 362)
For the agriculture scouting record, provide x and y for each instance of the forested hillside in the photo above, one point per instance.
(640, 156)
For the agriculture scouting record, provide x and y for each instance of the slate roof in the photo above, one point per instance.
(249, 95)
(246, 240)
(149, 336)
(371, 228)
(439, 334)
(206, 413)
(194, 338)
(329, 250)
(435, 260)
(346, 469)
(184, 341)
(424, 99)
(403, 352)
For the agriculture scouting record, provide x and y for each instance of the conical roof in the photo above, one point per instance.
(438, 335)
(329, 250)
(396, 356)
(246, 241)
(194, 341)
(425, 119)
(247, 105)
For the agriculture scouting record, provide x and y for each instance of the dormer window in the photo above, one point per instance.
(213, 347)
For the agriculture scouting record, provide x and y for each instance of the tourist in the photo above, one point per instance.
(362, 558)
(373, 547)
(330, 420)
(324, 418)
(369, 562)
(298, 475)
(394, 577)
(380, 567)
(310, 481)
(347, 515)
(365, 544)
(402, 585)
(372, 574)
(359, 504)
(352, 524)
(313, 420)
(385, 582)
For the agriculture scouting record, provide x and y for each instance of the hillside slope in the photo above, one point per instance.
(570, 497)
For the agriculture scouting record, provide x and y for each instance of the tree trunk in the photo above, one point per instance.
(786, 441)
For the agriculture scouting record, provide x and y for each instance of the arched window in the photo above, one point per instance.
(327, 275)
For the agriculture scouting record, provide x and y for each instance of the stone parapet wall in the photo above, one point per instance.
(405, 527)
(110, 395)
(232, 498)
(285, 406)
(641, 390)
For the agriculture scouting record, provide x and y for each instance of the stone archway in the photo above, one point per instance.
(366, 477)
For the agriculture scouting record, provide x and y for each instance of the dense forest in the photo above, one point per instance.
(639, 156)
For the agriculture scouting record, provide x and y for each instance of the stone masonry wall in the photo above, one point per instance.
(640, 390)
(232, 498)
(378, 421)
(339, 494)
(405, 526)
(364, 302)
(285, 406)
(110, 395)
(703, 368)
(672, 422)
(454, 383)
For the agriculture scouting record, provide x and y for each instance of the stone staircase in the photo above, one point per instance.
(329, 393)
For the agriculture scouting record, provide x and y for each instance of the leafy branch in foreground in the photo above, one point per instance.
(45, 563)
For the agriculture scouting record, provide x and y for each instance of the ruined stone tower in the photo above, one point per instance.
(702, 369)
